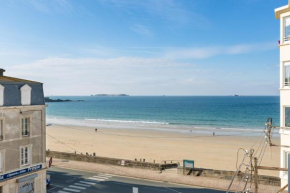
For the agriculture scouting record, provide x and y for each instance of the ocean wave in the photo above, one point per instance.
(127, 121)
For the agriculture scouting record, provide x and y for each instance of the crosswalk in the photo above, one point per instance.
(82, 185)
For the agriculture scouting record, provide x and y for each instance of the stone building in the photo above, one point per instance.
(22, 136)
(283, 13)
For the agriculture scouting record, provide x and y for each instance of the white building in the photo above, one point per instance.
(22, 136)
(283, 13)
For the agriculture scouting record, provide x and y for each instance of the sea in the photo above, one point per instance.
(208, 113)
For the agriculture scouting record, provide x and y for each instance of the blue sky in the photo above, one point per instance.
(143, 47)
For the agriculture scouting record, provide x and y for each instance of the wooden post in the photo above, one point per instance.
(256, 174)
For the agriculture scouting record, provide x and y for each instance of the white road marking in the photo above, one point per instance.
(62, 192)
(77, 187)
(90, 183)
(102, 177)
(96, 179)
(79, 184)
(72, 190)
(108, 175)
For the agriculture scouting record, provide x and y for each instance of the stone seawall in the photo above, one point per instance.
(110, 161)
(221, 174)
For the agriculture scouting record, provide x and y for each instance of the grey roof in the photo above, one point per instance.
(12, 93)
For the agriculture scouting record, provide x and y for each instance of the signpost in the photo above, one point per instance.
(188, 164)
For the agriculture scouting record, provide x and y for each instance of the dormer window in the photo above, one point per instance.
(1, 95)
(26, 95)
(287, 29)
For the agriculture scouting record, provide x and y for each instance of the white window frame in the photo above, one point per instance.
(25, 126)
(284, 71)
(25, 155)
(284, 26)
(285, 163)
(2, 160)
(284, 115)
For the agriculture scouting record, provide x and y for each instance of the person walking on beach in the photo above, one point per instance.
(213, 134)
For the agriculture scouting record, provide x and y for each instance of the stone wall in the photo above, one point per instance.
(109, 161)
(221, 174)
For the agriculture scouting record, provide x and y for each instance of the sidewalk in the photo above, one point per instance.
(211, 183)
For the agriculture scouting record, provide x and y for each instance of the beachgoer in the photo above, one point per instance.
(96, 130)
(213, 134)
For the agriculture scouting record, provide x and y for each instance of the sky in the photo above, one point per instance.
(143, 47)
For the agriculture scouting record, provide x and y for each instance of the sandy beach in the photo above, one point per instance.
(213, 152)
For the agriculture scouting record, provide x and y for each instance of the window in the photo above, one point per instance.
(1, 162)
(287, 29)
(287, 116)
(24, 156)
(1, 130)
(25, 124)
(26, 95)
(1, 95)
(287, 74)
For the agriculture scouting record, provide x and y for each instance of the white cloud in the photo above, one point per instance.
(47, 6)
(142, 30)
(207, 52)
(168, 10)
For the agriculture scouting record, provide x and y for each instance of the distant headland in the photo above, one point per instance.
(111, 95)
(47, 99)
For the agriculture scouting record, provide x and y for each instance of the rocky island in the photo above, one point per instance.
(110, 95)
(47, 99)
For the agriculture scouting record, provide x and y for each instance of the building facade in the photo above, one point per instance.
(22, 136)
(283, 13)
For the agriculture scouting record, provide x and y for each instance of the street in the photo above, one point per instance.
(73, 181)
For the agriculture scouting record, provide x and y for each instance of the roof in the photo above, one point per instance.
(282, 10)
(7, 79)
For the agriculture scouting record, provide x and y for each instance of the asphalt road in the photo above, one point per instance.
(74, 181)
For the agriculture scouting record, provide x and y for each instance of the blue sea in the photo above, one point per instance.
(216, 112)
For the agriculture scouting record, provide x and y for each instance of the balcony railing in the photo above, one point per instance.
(287, 38)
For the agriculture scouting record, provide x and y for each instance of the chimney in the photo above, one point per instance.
(2, 72)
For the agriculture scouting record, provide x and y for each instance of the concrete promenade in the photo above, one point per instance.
(211, 183)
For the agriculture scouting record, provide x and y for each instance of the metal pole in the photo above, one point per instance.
(256, 175)
(288, 172)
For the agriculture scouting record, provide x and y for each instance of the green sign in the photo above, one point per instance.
(188, 163)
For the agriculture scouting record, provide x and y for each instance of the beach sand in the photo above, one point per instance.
(219, 152)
